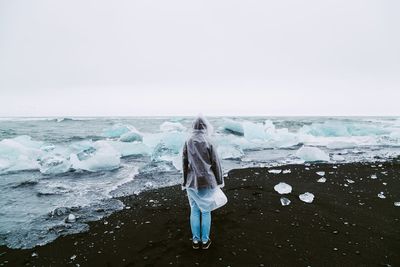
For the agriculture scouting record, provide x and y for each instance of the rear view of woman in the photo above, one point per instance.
(202, 179)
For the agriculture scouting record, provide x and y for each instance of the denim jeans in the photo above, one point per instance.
(200, 222)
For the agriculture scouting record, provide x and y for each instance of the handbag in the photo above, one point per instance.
(220, 198)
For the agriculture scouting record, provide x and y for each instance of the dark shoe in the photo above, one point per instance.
(195, 245)
(206, 245)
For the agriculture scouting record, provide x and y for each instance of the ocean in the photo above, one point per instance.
(57, 174)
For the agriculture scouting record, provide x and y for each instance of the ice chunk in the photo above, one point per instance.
(253, 131)
(341, 145)
(176, 160)
(233, 127)
(131, 136)
(104, 158)
(54, 165)
(20, 153)
(283, 188)
(307, 197)
(129, 149)
(373, 176)
(174, 140)
(71, 218)
(148, 185)
(279, 138)
(117, 130)
(172, 127)
(350, 181)
(285, 201)
(381, 195)
(337, 157)
(312, 154)
(321, 180)
(339, 128)
(275, 171)
(286, 171)
(397, 204)
(230, 152)
(321, 173)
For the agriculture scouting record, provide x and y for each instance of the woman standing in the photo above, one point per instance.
(202, 179)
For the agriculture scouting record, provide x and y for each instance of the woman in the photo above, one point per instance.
(202, 175)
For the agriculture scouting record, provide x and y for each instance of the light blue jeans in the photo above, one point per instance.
(200, 222)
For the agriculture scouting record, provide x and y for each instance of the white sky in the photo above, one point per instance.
(229, 57)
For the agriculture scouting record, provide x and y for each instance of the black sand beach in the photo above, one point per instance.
(347, 224)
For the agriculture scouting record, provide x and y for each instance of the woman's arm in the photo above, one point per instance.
(185, 163)
(216, 166)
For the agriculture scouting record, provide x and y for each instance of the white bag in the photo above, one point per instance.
(207, 200)
(220, 198)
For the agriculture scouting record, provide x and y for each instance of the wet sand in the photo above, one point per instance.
(347, 224)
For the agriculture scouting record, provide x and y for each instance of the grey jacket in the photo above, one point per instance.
(201, 165)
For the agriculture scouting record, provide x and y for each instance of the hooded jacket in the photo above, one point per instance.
(201, 165)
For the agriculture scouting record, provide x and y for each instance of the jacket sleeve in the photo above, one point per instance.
(185, 163)
(216, 166)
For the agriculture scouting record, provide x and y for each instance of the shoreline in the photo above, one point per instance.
(346, 224)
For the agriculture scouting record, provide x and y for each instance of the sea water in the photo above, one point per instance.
(51, 168)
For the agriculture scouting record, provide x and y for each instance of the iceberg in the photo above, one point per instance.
(397, 204)
(283, 188)
(321, 180)
(373, 176)
(307, 197)
(286, 171)
(311, 154)
(320, 173)
(233, 127)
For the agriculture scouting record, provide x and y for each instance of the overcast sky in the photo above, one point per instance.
(158, 57)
